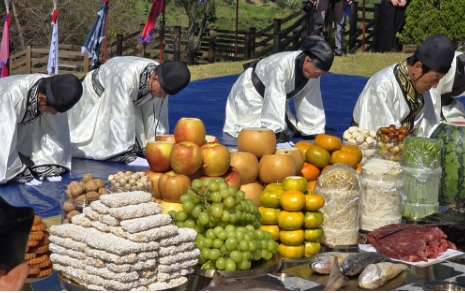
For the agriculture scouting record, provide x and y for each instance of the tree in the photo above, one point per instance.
(428, 17)
(196, 29)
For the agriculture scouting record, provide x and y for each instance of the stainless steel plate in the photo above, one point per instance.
(361, 240)
(443, 286)
(259, 268)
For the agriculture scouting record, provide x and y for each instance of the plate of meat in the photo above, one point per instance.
(412, 244)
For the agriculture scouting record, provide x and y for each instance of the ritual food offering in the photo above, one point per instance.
(123, 242)
(340, 188)
(381, 185)
(365, 139)
(81, 194)
(390, 142)
(37, 254)
(130, 181)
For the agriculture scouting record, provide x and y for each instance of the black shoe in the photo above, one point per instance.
(342, 54)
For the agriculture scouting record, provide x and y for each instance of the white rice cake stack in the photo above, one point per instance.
(121, 236)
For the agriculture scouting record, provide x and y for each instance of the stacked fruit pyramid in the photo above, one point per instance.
(37, 255)
(123, 242)
(291, 213)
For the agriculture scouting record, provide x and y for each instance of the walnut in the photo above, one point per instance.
(91, 196)
(68, 206)
(99, 183)
(72, 214)
(87, 177)
(102, 191)
(81, 201)
(91, 186)
(68, 194)
(75, 188)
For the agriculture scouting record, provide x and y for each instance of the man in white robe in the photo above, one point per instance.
(34, 136)
(394, 95)
(260, 96)
(124, 105)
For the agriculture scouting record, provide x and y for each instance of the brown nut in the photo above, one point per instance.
(68, 206)
(72, 214)
(99, 183)
(68, 194)
(91, 196)
(75, 188)
(87, 177)
(102, 191)
(80, 201)
(91, 186)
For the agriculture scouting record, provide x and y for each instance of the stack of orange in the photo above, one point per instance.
(291, 214)
(326, 151)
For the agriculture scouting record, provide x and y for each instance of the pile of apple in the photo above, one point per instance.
(176, 160)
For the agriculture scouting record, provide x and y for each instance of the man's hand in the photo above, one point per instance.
(14, 279)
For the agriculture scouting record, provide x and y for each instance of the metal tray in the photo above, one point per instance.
(33, 280)
(259, 268)
(305, 272)
(70, 285)
(361, 240)
(443, 286)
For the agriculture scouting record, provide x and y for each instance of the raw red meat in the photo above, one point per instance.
(414, 243)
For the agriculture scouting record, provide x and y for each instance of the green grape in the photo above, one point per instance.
(247, 237)
(275, 248)
(250, 228)
(248, 209)
(244, 245)
(239, 235)
(220, 180)
(199, 228)
(268, 255)
(217, 211)
(257, 254)
(242, 229)
(233, 218)
(209, 266)
(214, 219)
(188, 206)
(217, 230)
(220, 263)
(243, 265)
(224, 193)
(231, 244)
(196, 211)
(232, 234)
(204, 218)
(223, 235)
(191, 192)
(259, 234)
(224, 250)
(226, 216)
(199, 243)
(195, 198)
(204, 252)
(184, 198)
(236, 256)
(230, 265)
(172, 214)
(210, 233)
(229, 202)
(180, 216)
(213, 186)
(230, 228)
(249, 217)
(189, 223)
(253, 245)
(206, 181)
(211, 224)
(217, 243)
(238, 207)
(247, 255)
(264, 244)
(214, 254)
(201, 260)
(238, 215)
(271, 244)
(196, 184)
(216, 197)
(232, 190)
(241, 194)
(223, 186)
(268, 235)
(221, 223)
(180, 224)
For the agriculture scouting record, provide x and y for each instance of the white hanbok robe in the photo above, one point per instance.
(382, 103)
(108, 125)
(454, 111)
(45, 141)
(246, 108)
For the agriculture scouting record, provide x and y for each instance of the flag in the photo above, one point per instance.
(158, 7)
(52, 65)
(96, 35)
(5, 46)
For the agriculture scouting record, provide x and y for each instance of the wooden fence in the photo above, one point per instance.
(216, 45)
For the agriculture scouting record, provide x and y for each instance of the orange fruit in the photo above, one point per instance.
(358, 168)
(311, 248)
(302, 146)
(341, 157)
(270, 198)
(290, 220)
(298, 183)
(312, 219)
(274, 186)
(291, 251)
(310, 171)
(328, 142)
(317, 156)
(311, 186)
(273, 229)
(291, 237)
(313, 234)
(314, 202)
(269, 215)
(292, 200)
(353, 149)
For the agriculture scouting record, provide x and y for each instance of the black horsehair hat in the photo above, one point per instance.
(437, 53)
(319, 51)
(173, 76)
(15, 225)
(63, 91)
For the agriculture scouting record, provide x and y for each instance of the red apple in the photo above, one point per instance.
(216, 159)
(190, 129)
(186, 157)
(154, 177)
(233, 178)
(158, 155)
(172, 185)
(210, 138)
(165, 137)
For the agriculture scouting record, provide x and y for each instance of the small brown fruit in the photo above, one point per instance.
(102, 191)
(91, 196)
(68, 194)
(91, 185)
(75, 188)
(68, 206)
(99, 183)
(72, 214)
(87, 177)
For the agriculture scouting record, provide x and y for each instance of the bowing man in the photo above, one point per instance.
(260, 96)
(124, 105)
